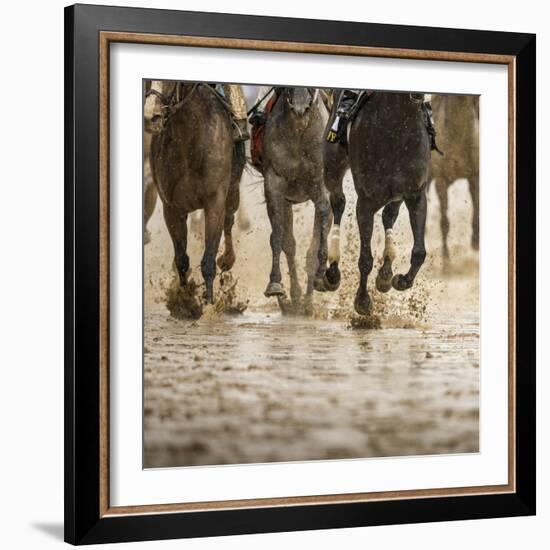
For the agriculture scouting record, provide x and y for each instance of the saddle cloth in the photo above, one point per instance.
(258, 121)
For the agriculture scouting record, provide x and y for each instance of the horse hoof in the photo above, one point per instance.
(383, 285)
(274, 289)
(331, 279)
(399, 282)
(319, 284)
(224, 264)
(363, 306)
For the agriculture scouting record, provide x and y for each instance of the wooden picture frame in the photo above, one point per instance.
(89, 32)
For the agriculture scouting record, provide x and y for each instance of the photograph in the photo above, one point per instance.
(311, 268)
(299, 272)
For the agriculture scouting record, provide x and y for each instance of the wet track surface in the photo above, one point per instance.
(261, 388)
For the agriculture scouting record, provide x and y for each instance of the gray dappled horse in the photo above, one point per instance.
(195, 165)
(293, 173)
(389, 155)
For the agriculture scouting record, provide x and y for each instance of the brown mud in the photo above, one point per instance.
(239, 382)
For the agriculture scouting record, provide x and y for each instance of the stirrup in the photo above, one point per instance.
(240, 130)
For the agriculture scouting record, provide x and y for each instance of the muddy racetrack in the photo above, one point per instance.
(260, 387)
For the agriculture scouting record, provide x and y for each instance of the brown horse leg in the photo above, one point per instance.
(176, 222)
(385, 273)
(274, 196)
(365, 221)
(441, 186)
(227, 259)
(213, 225)
(473, 183)
(416, 206)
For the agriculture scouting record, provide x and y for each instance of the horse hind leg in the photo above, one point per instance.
(385, 273)
(417, 207)
(176, 222)
(227, 259)
(213, 225)
(365, 221)
(441, 187)
(473, 183)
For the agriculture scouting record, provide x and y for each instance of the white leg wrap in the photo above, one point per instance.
(334, 244)
(389, 246)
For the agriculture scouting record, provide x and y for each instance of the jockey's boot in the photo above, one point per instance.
(337, 131)
(240, 130)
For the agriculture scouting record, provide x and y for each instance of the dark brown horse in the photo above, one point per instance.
(389, 155)
(195, 165)
(293, 172)
(457, 124)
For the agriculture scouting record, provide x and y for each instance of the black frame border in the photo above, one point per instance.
(83, 524)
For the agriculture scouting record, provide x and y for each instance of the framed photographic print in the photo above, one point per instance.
(300, 274)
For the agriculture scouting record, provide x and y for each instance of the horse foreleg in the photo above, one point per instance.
(385, 274)
(473, 183)
(289, 248)
(416, 206)
(323, 216)
(441, 186)
(214, 215)
(274, 197)
(365, 222)
(176, 222)
(334, 171)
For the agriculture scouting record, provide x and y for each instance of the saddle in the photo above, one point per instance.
(258, 120)
(174, 102)
(348, 107)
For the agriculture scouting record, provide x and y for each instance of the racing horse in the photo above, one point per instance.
(457, 123)
(195, 165)
(293, 173)
(388, 151)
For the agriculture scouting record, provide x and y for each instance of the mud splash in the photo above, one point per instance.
(187, 302)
